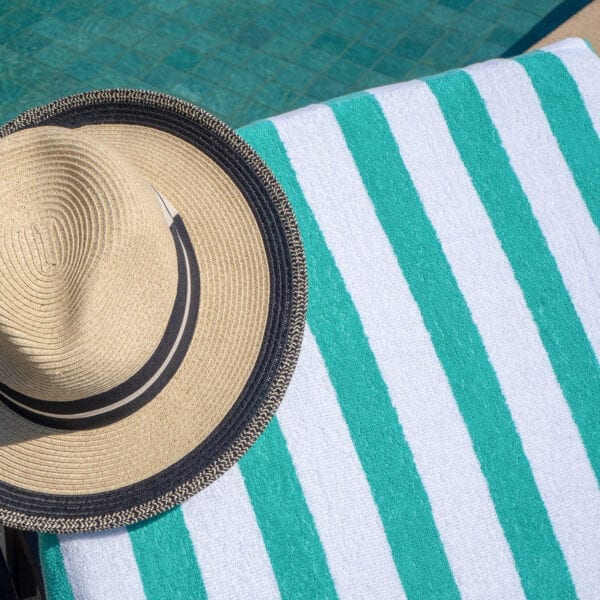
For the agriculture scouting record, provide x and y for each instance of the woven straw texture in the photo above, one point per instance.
(89, 289)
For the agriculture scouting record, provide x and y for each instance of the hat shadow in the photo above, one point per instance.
(16, 427)
(11, 436)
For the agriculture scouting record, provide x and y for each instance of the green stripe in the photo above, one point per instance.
(569, 121)
(519, 506)
(165, 557)
(286, 524)
(562, 334)
(376, 433)
(56, 580)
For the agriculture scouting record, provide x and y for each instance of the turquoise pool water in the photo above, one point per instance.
(245, 60)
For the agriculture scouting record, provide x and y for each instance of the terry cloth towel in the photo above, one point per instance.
(440, 437)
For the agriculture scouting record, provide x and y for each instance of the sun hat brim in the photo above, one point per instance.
(209, 415)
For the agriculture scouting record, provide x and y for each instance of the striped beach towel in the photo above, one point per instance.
(440, 437)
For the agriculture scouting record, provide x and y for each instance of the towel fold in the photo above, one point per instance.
(440, 437)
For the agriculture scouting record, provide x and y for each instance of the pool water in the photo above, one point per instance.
(245, 60)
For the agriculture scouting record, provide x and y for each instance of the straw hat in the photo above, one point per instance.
(152, 303)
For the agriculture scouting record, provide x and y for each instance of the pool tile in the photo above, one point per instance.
(319, 14)
(12, 63)
(243, 81)
(362, 55)
(382, 39)
(154, 47)
(224, 27)
(44, 5)
(174, 30)
(236, 54)
(271, 21)
(213, 69)
(518, 19)
(61, 86)
(290, 10)
(331, 43)
(148, 20)
(197, 13)
(421, 70)
(454, 47)
(486, 51)
(55, 55)
(394, 20)
(82, 70)
(204, 42)
(36, 74)
(374, 79)
(162, 77)
(304, 100)
(133, 63)
(166, 6)
(315, 59)
(484, 9)
(282, 47)
(71, 12)
(346, 71)
(266, 66)
(109, 78)
(296, 77)
(348, 26)
(248, 59)
(425, 32)
(27, 43)
(366, 10)
(234, 13)
(325, 88)
(7, 30)
(252, 111)
(119, 8)
(302, 32)
(105, 51)
(538, 7)
(456, 4)
(224, 106)
(10, 90)
(506, 3)
(23, 17)
(410, 49)
(254, 36)
(394, 66)
(272, 95)
(50, 27)
(473, 26)
(94, 25)
(443, 16)
(125, 33)
(194, 90)
(503, 36)
(184, 59)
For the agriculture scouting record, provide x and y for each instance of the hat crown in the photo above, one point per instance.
(88, 265)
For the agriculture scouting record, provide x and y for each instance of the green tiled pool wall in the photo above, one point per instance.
(245, 60)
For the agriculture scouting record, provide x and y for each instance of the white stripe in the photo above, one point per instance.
(334, 484)
(167, 208)
(227, 541)
(101, 565)
(584, 66)
(462, 507)
(548, 183)
(550, 438)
